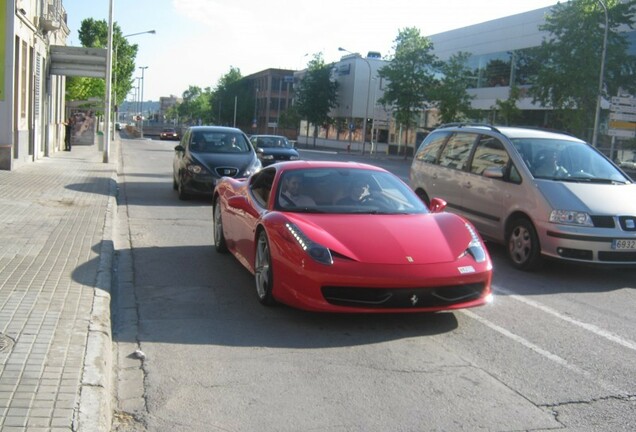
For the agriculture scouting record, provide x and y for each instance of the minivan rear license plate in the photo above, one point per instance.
(624, 244)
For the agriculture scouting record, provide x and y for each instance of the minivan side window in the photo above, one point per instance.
(429, 150)
(457, 150)
(489, 153)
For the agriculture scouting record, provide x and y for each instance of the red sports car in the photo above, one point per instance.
(348, 237)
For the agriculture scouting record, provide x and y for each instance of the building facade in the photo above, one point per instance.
(497, 50)
(32, 102)
(273, 93)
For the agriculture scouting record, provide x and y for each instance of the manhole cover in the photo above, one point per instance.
(6, 343)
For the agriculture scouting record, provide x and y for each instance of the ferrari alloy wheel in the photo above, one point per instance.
(219, 238)
(263, 270)
(523, 245)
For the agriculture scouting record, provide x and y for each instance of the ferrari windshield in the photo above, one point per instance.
(344, 190)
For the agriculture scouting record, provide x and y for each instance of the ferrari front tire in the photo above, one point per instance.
(263, 274)
(219, 238)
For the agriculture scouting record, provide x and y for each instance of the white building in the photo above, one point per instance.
(32, 100)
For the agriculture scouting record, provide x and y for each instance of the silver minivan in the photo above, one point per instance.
(540, 193)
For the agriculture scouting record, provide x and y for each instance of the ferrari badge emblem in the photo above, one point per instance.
(414, 299)
(409, 259)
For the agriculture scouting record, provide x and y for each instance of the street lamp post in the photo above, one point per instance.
(109, 74)
(141, 109)
(597, 114)
(115, 61)
(366, 112)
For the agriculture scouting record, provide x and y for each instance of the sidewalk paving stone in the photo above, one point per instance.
(55, 256)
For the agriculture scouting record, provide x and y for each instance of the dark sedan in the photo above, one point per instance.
(207, 153)
(273, 148)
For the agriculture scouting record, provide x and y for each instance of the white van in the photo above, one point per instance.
(543, 194)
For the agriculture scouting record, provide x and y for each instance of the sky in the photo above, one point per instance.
(198, 41)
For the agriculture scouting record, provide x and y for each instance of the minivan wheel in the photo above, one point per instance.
(524, 249)
(423, 196)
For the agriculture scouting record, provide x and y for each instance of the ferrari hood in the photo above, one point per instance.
(388, 239)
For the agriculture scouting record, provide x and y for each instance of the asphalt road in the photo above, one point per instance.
(556, 349)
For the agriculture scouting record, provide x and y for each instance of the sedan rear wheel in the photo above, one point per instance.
(523, 245)
(263, 275)
(219, 238)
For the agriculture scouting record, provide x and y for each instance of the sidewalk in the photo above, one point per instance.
(56, 251)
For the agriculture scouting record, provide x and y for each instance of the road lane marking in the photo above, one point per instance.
(589, 327)
(547, 354)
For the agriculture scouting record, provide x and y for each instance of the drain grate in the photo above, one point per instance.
(6, 343)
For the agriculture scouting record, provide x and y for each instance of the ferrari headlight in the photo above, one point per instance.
(475, 247)
(570, 217)
(317, 251)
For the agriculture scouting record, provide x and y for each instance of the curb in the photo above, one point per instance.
(95, 410)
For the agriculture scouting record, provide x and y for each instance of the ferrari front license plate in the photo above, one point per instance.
(624, 244)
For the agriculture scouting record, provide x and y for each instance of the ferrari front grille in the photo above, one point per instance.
(402, 298)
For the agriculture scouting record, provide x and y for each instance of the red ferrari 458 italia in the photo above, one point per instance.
(348, 237)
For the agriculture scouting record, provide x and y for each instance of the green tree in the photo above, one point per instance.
(508, 110)
(317, 93)
(231, 91)
(410, 76)
(94, 34)
(569, 60)
(195, 107)
(451, 96)
(290, 118)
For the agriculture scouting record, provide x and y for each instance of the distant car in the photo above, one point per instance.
(628, 164)
(540, 193)
(169, 134)
(345, 237)
(118, 126)
(207, 153)
(273, 148)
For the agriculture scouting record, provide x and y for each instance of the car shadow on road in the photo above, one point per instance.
(193, 295)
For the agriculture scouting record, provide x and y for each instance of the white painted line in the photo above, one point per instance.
(547, 354)
(589, 327)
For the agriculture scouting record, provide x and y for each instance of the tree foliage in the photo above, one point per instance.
(232, 91)
(410, 76)
(509, 113)
(569, 59)
(450, 95)
(317, 93)
(94, 34)
(195, 107)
